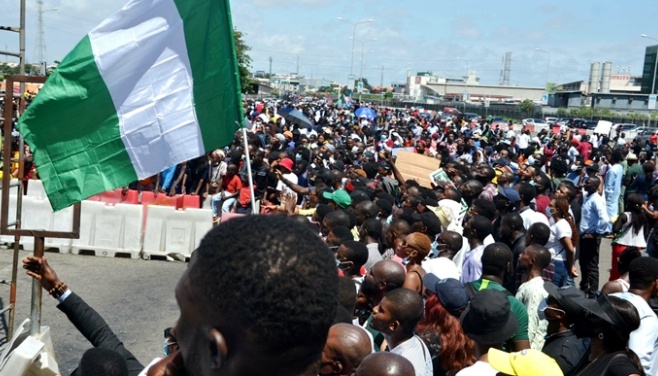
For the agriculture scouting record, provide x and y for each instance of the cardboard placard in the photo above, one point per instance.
(416, 167)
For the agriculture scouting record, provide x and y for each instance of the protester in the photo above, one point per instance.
(607, 322)
(630, 231)
(396, 317)
(489, 322)
(385, 364)
(346, 347)
(108, 357)
(225, 323)
(561, 311)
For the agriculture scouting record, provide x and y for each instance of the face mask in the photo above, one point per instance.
(406, 260)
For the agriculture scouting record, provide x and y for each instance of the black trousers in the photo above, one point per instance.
(588, 259)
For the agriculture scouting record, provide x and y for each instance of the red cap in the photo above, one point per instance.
(287, 163)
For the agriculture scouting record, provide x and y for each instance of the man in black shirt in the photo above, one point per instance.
(561, 343)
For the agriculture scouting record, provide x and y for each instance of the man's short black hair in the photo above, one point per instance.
(485, 208)
(481, 226)
(322, 210)
(642, 272)
(496, 258)
(337, 218)
(540, 233)
(527, 192)
(514, 221)
(270, 278)
(406, 307)
(372, 227)
(357, 252)
(346, 293)
(542, 255)
(102, 362)
(342, 234)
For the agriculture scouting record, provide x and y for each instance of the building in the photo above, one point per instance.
(648, 71)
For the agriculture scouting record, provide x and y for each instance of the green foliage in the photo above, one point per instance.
(244, 61)
(7, 70)
(527, 106)
(562, 112)
(388, 95)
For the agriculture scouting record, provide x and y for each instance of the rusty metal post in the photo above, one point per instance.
(35, 308)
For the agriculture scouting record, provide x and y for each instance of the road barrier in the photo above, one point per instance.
(118, 222)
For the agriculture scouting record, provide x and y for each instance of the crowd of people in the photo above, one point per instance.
(353, 268)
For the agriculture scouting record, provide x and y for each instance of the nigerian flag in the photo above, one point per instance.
(152, 86)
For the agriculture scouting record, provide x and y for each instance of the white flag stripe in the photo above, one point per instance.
(150, 81)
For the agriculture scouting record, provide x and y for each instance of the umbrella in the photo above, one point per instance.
(295, 116)
(451, 111)
(366, 112)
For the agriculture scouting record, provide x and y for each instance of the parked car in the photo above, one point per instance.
(632, 133)
(538, 124)
(590, 124)
(644, 135)
(498, 122)
(551, 120)
(470, 116)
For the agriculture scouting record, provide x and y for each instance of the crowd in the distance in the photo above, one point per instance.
(354, 268)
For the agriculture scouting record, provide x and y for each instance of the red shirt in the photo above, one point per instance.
(231, 184)
(584, 148)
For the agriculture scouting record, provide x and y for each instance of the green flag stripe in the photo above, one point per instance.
(73, 128)
(211, 51)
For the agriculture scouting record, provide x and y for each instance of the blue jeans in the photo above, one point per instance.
(227, 204)
(561, 278)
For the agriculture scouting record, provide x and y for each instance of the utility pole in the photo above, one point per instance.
(381, 86)
(270, 77)
(40, 50)
(297, 70)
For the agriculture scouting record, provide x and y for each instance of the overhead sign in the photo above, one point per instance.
(544, 99)
(486, 103)
(360, 87)
(652, 101)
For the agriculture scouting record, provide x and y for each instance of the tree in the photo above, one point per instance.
(527, 106)
(562, 112)
(388, 95)
(244, 60)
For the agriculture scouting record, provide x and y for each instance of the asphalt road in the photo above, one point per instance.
(135, 297)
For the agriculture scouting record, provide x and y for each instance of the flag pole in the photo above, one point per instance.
(248, 162)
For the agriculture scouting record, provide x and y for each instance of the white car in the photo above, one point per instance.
(538, 124)
(551, 120)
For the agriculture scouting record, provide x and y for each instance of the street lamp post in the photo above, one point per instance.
(363, 43)
(465, 81)
(354, 25)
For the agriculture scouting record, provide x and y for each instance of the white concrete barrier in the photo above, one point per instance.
(35, 189)
(37, 214)
(174, 233)
(110, 229)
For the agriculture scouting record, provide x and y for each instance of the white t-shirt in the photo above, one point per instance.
(629, 237)
(416, 352)
(530, 216)
(480, 368)
(284, 189)
(559, 230)
(441, 267)
(524, 139)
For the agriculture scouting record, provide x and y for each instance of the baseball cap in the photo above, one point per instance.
(527, 362)
(510, 194)
(488, 318)
(339, 196)
(565, 297)
(451, 293)
(337, 165)
(430, 220)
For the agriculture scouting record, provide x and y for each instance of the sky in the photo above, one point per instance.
(446, 38)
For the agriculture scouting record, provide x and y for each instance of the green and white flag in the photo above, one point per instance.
(152, 86)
